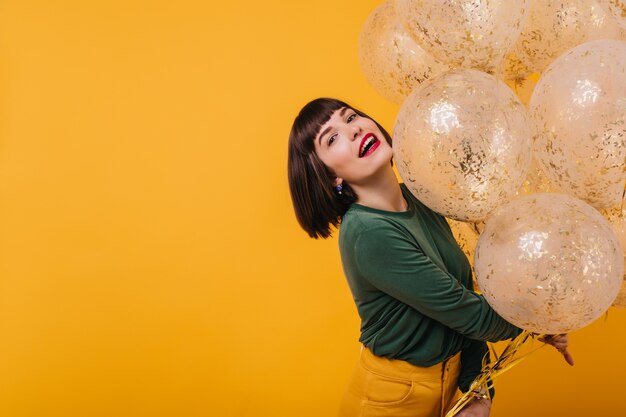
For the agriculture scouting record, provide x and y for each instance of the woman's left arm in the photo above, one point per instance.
(472, 357)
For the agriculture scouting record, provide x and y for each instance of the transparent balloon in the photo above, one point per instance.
(523, 87)
(618, 9)
(462, 144)
(392, 62)
(536, 181)
(465, 33)
(554, 27)
(513, 68)
(616, 216)
(604, 25)
(549, 263)
(578, 112)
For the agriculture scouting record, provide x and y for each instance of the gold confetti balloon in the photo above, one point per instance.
(390, 59)
(578, 113)
(549, 263)
(555, 26)
(462, 144)
(618, 9)
(513, 68)
(465, 33)
(536, 181)
(523, 88)
(604, 25)
(616, 216)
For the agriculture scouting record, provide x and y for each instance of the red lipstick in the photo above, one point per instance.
(369, 143)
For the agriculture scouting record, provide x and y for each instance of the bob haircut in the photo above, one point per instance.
(316, 203)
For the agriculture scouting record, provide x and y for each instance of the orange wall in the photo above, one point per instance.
(150, 263)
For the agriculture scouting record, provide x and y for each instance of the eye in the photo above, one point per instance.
(351, 117)
(331, 139)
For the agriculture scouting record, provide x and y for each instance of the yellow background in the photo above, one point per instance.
(150, 262)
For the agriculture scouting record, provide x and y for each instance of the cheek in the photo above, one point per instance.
(345, 153)
(338, 158)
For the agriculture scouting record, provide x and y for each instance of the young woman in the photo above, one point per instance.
(423, 328)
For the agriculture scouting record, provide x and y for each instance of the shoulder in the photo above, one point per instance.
(356, 220)
(359, 227)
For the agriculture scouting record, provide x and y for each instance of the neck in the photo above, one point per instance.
(381, 192)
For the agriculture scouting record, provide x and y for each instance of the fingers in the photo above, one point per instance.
(560, 342)
(560, 345)
(568, 357)
(549, 338)
(556, 340)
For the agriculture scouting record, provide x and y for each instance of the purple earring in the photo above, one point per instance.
(338, 188)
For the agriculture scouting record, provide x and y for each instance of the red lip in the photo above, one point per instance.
(372, 148)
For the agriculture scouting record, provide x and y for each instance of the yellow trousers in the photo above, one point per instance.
(394, 388)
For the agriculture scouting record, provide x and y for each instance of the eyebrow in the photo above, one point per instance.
(325, 131)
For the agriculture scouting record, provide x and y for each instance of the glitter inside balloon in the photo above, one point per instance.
(549, 263)
(462, 144)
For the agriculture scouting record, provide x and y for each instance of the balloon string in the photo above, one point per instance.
(504, 362)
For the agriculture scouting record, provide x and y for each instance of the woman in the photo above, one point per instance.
(423, 329)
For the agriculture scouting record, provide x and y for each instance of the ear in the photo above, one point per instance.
(338, 181)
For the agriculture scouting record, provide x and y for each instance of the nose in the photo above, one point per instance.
(355, 131)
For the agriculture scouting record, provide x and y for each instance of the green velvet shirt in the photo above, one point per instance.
(412, 286)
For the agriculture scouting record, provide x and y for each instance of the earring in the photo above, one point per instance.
(338, 188)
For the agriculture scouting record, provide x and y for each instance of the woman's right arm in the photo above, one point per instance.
(392, 263)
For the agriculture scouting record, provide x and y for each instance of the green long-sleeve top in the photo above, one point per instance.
(413, 289)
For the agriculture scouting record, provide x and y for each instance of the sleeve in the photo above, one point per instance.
(471, 364)
(391, 262)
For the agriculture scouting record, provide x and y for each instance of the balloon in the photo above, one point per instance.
(618, 9)
(555, 26)
(536, 181)
(603, 25)
(523, 88)
(465, 33)
(390, 59)
(578, 112)
(462, 144)
(513, 68)
(616, 216)
(549, 263)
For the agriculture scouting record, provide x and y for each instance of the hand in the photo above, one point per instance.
(560, 342)
(478, 407)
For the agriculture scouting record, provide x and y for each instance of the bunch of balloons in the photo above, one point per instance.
(534, 189)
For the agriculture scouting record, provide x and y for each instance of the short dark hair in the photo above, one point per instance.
(311, 183)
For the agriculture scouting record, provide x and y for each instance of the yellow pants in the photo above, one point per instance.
(390, 388)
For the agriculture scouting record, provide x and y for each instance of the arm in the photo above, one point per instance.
(391, 262)
(471, 364)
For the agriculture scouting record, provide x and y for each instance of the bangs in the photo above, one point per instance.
(310, 120)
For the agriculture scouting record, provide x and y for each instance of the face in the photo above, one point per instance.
(352, 147)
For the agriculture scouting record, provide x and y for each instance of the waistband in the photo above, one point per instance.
(396, 368)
